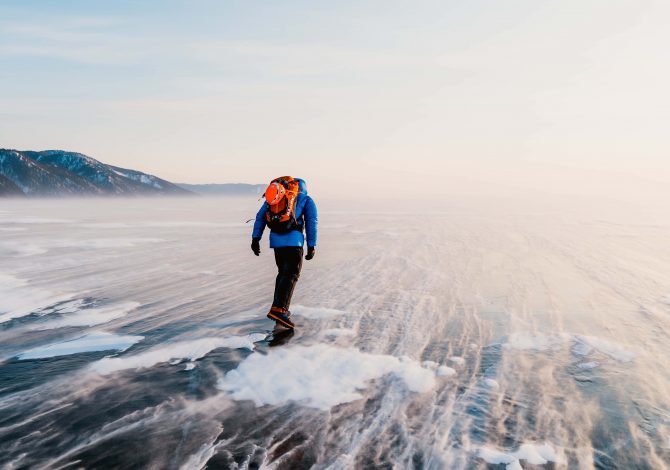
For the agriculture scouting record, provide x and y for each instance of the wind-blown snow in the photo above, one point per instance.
(33, 220)
(337, 333)
(459, 361)
(534, 454)
(585, 344)
(194, 349)
(582, 345)
(32, 249)
(18, 298)
(587, 365)
(95, 341)
(319, 376)
(22, 249)
(535, 341)
(524, 328)
(315, 313)
(88, 316)
(107, 242)
(98, 225)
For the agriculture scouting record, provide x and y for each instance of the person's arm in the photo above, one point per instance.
(311, 222)
(259, 227)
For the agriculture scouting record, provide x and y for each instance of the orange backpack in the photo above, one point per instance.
(281, 196)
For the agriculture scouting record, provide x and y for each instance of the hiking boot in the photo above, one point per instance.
(281, 316)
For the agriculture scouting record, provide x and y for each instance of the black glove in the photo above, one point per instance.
(256, 246)
(310, 253)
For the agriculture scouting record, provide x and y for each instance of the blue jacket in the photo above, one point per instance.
(305, 213)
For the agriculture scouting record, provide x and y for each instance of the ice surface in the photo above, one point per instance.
(319, 376)
(534, 454)
(615, 351)
(95, 243)
(94, 341)
(582, 345)
(535, 341)
(190, 224)
(9, 219)
(99, 225)
(22, 249)
(531, 300)
(87, 317)
(492, 384)
(193, 349)
(64, 307)
(32, 249)
(315, 313)
(18, 298)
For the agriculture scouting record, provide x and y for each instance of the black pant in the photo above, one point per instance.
(289, 263)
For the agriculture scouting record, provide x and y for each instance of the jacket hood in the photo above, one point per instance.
(302, 185)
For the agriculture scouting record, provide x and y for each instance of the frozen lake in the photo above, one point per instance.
(133, 335)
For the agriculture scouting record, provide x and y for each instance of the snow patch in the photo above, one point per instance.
(432, 365)
(194, 349)
(444, 371)
(88, 317)
(459, 361)
(96, 341)
(534, 454)
(316, 313)
(319, 376)
(18, 298)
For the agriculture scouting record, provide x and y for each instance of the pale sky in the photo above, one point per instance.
(460, 94)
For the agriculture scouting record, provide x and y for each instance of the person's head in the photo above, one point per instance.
(302, 184)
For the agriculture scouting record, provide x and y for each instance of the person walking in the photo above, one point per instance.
(291, 215)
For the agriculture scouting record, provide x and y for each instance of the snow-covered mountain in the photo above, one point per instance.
(61, 173)
(7, 188)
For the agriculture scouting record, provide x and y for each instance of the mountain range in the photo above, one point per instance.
(61, 173)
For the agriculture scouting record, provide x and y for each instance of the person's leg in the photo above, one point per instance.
(289, 264)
